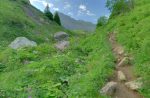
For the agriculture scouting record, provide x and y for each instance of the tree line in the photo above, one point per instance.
(52, 17)
(116, 7)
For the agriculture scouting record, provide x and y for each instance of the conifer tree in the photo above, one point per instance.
(48, 12)
(57, 18)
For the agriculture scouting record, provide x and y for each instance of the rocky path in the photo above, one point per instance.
(123, 84)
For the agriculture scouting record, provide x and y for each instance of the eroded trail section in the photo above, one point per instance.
(127, 83)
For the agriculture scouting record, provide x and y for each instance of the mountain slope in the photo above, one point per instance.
(133, 33)
(42, 71)
(81, 70)
(72, 24)
(19, 18)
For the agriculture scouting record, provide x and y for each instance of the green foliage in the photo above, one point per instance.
(132, 31)
(102, 21)
(86, 84)
(82, 69)
(119, 6)
(17, 22)
(57, 19)
(43, 72)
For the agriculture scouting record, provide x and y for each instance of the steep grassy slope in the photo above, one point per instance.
(43, 72)
(98, 66)
(133, 32)
(19, 18)
(78, 72)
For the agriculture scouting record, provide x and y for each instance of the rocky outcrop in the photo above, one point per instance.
(109, 89)
(121, 76)
(21, 42)
(134, 85)
(59, 36)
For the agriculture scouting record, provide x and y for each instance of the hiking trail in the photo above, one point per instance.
(122, 91)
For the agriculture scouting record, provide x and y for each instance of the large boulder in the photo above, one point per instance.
(61, 45)
(109, 89)
(60, 36)
(21, 42)
(134, 85)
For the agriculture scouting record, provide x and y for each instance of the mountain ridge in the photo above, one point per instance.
(73, 24)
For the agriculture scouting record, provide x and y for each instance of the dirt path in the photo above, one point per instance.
(122, 91)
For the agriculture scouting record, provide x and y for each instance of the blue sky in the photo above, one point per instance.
(88, 10)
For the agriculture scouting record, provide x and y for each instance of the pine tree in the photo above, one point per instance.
(57, 18)
(48, 13)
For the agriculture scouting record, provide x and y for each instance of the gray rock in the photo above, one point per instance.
(121, 76)
(62, 45)
(60, 36)
(109, 88)
(21, 42)
(134, 85)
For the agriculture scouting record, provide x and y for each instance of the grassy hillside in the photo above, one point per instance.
(43, 72)
(82, 69)
(133, 32)
(19, 18)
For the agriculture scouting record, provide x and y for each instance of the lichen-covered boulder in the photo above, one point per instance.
(134, 85)
(21, 42)
(60, 36)
(109, 88)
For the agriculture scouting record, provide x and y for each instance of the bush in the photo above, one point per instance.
(102, 21)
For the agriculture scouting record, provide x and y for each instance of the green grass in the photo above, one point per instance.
(79, 71)
(98, 64)
(43, 72)
(15, 21)
(133, 33)
(82, 69)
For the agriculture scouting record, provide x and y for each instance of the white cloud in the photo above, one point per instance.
(43, 2)
(82, 7)
(67, 5)
(89, 13)
(56, 9)
(83, 10)
(70, 13)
